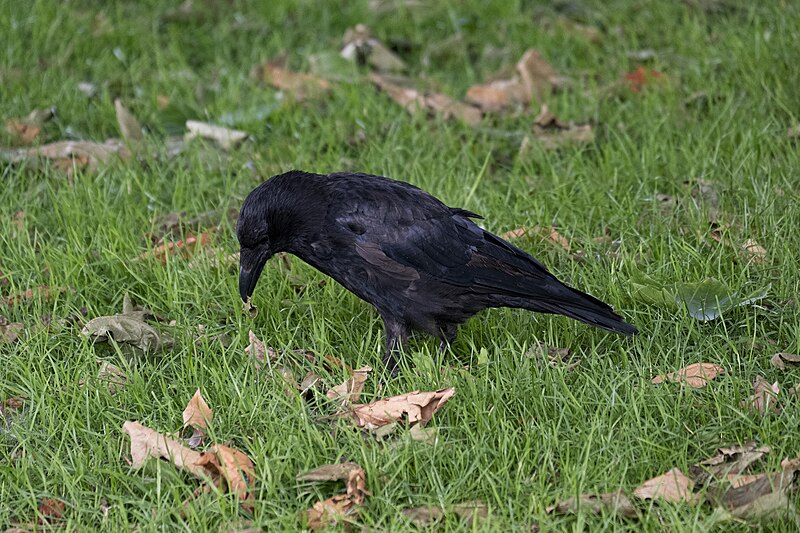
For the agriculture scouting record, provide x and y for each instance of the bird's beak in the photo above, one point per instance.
(248, 275)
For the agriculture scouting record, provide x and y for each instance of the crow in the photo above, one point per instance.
(423, 265)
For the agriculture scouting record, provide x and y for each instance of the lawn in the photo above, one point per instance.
(691, 173)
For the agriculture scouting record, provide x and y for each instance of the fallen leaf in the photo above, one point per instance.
(555, 356)
(51, 510)
(184, 248)
(672, 486)
(764, 495)
(696, 375)
(413, 100)
(549, 234)
(704, 192)
(637, 80)
(227, 138)
(10, 332)
(11, 408)
(310, 380)
(67, 155)
(423, 517)
(249, 308)
(235, 468)
(359, 45)
(514, 234)
(783, 359)
(299, 85)
(41, 291)
(764, 399)
(474, 511)
(197, 415)
(26, 130)
(125, 329)
(552, 133)
(146, 442)
(740, 480)
(614, 502)
(535, 79)
(730, 461)
(113, 378)
(259, 352)
(756, 252)
(129, 127)
(414, 407)
(334, 509)
(349, 391)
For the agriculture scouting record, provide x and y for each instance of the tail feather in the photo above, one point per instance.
(585, 308)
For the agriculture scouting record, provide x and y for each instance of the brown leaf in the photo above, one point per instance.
(51, 511)
(756, 252)
(696, 375)
(126, 329)
(514, 234)
(534, 79)
(259, 352)
(349, 391)
(113, 378)
(764, 399)
(11, 408)
(146, 442)
(471, 511)
(549, 234)
(555, 356)
(250, 309)
(197, 415)
(783, 359)
(65, 154)
(184, 248)
(764, 495)
(672, 486)
(26, 130)
(10, 332)
(328, 512)
(336, 508)
(423, 517)
(235, 468)
(414, 407)
(226, 138)
(615, 502)
(129, 127)
(552, 133)
(642, 77)
(42, 291)
(413, 100)
(731, 461)
(359, 45)
(299, 85)
(310, 380)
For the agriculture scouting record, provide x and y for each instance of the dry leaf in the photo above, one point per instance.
(552, 133)
(534, 79)
(423, 517)
(65, 154)
(10, 332)
(783, 359)
(549, 234)
(129, 127)
(146, 442)
(414, 407)
(349, 391)
(696, 375)
(259, 352)
(11, 408)
(615, 502)
(126, 329)
(26, 130)
(310, 380)
(184, 248)
(764, 495)
(42, 291)
(673, 486)
(641, 77)
(555, 356)
(235, 468)
(764, 399)
(250, 309)
(359, 45)
(197, 415)
(756, 252)
(731, 461)
(334, 509)
(299, 85)
(514, 234)
(471, 511)
(226, 138)
(113, 378)
(51, 511)
(413, 100)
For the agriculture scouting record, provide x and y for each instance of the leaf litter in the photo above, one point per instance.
(764, 399)
(340, 507)
(696, 375)
(782, 360)
(412, 408)
(26, 130)
(128, 327)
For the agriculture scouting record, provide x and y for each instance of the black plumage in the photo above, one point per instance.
(423, 265)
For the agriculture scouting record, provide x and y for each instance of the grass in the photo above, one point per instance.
(516, 435)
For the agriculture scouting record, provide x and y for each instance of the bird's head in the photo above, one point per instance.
(255, 249)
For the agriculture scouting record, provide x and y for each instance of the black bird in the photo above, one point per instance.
(423, 265)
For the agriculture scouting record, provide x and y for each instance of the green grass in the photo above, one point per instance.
(516, 436)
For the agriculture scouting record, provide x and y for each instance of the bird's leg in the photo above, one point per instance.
(448, 336)
(396, 336)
